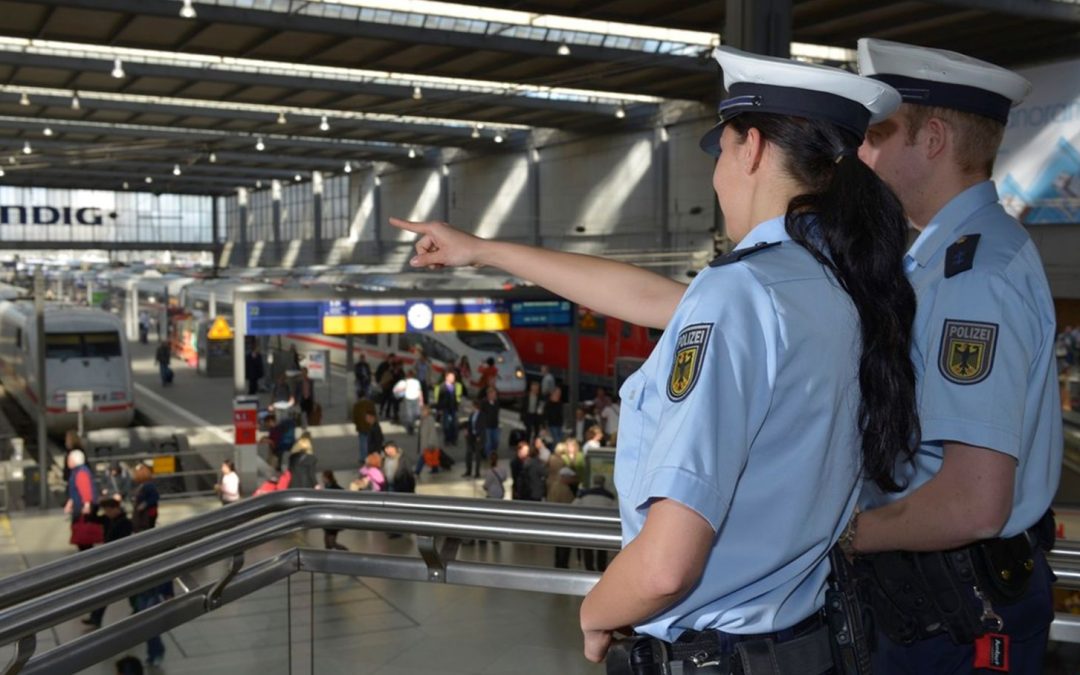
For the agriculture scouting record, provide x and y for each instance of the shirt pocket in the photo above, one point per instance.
(631, 431)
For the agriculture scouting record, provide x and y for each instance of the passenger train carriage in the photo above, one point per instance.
(85, 350)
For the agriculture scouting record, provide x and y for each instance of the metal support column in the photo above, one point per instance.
(444, 191)
(275, 223)
(662, 162)
(242, 209)
(317, 214)
(534, 194)
(215, 234)
(573, 372)
(759, 26)
(376, 200)
(350, 363)
(40, 389)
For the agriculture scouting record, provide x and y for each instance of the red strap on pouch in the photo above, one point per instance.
(992, 652)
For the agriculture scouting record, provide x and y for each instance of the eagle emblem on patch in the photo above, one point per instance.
(689, 355)
(967, 351)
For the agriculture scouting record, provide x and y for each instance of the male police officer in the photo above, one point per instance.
(991, 448)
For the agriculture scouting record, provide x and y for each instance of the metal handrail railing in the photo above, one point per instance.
(99, 577)
(66, 571)
(45, 596)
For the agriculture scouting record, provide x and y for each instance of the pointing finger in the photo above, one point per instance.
(411, 226)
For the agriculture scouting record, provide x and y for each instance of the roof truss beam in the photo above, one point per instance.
(281, 21)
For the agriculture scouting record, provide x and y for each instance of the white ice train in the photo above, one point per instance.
(85, 350)
(443, 349)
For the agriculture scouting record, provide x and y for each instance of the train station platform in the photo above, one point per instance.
(322, 623)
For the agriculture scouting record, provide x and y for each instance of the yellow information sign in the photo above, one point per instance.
(164, 464)
(220, 330)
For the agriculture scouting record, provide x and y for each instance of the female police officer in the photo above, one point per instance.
(739, 443)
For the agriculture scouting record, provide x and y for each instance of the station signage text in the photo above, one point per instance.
(50, 215)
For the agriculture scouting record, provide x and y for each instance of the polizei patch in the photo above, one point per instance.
(967, 351)
(689, 355)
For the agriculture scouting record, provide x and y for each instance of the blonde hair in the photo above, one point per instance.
(977, 138)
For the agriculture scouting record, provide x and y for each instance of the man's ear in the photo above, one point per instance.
(935, 137)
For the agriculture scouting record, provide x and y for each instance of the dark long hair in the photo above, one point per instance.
(854, 225)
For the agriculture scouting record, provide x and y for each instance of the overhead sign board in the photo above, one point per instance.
(367, 317)
(540, 314)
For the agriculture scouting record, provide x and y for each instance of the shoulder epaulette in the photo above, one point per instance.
(739, 254)
(960, 256)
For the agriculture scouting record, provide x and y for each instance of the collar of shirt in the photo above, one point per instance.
(941, 230)
(765, 232)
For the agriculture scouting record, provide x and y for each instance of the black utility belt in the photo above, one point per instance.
(915, 596)
(802, 650)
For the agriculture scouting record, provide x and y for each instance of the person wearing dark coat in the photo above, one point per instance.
(253, 369)
(117, 526)
(533, 477)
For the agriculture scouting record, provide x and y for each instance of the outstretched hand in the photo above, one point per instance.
(440, 245)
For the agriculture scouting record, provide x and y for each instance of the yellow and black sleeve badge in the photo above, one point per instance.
(967, 351)
(689, 355)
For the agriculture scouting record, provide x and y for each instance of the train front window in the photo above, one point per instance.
(483, 341)
(101, 345)
(63, 346)
(105, 344)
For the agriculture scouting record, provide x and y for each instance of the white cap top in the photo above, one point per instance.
(765, 84)
(942, 78)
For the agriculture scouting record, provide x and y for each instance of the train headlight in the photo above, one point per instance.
(519, 374)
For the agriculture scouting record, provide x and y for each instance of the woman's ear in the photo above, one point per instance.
(752, 151)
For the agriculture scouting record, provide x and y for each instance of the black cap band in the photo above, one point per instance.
(953, 96)
(791, 101)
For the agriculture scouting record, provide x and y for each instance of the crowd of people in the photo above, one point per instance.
(99, 512)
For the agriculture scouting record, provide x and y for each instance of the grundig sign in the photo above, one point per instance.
(51, 215)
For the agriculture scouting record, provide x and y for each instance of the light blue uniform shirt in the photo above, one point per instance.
(745, 412)
(983, 348)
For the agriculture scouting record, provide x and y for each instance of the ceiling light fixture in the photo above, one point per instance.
(149, 180)
(118, 69)
(75, 105)
(563, 50)
(620, 113)
(47, 131)
(176, 170)
(259, 145)
(412, 153)
(417, 93)
(348, 167)
(26, 149)
(297, 178)
(187, 11)
(213, 158)
(24, 99)
(1, 173)
(324, 124)
(258, 185)
(476, 132)
(281, 118)
(126, 186)
(498, 137)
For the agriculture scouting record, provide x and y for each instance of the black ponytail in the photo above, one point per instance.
(852, 223)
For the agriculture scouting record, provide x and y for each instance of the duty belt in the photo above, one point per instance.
(801, 650)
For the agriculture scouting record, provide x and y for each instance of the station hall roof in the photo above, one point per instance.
(109, 92)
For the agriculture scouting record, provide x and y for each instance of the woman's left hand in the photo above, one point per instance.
(597, 643)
